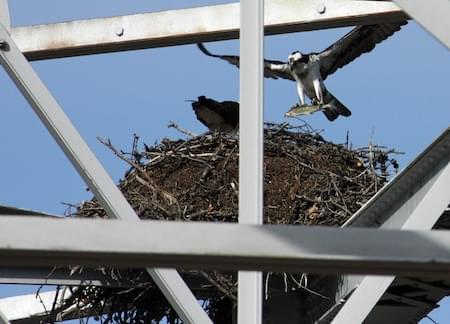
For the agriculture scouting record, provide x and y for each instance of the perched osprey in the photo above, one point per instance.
(217, 116)
(310, 70)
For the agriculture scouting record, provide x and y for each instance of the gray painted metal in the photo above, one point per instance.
(5, 18)
(381, 207)
(187, 26)
(59, 276)
(406, 301)
(223, 246)
(432, 15)
(423, 216)
(3, 318)
(426, 164)
(90, 169)
(251, 148)
(445, 35)
(414, 200)
(8, 210)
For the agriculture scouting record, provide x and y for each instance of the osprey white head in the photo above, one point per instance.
(295, 57)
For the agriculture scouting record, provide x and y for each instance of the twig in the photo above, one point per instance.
(304, 286)
(181, 130)
(149, 182)
(218, 286)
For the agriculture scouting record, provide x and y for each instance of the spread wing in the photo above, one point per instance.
(272, 69)
(360, 40)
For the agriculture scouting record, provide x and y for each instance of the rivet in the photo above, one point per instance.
(3, 44)
(119, 31)
(321, 8)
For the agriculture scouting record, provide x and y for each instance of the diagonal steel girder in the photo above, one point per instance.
(89, 168)
(413, 200)
(433, 15)
(423, 214)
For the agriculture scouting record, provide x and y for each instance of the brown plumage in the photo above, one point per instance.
(217, 116)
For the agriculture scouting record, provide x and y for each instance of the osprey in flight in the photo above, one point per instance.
(310, 70)
(217, 116)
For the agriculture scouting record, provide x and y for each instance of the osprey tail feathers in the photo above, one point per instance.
(337, 108)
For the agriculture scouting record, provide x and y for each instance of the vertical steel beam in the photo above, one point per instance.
(251, 148)
(433, 15)
(423, 214)
(5, 18)
(90, 169)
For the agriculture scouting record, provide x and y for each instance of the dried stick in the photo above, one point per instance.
(148, 181)
(181, 130)
(218, 286)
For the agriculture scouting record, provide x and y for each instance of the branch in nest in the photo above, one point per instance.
(218, 286)
(148, 181)
(181, 130)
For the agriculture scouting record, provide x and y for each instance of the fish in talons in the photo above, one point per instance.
(299, 110)
(309, 71)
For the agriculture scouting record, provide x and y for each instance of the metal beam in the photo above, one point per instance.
(59, 276)
(186, 26)
(251, 148)
(8, 210)
(424, 214)
(5, 18)
(223, 246)
(3, 318)
(380, 209)
(404, 190)
(90, 169)
(433, 15)
(414, 200)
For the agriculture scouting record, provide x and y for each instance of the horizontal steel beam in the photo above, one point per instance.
(59, 276)
(9, 210)
(222, 246)
(185, 26)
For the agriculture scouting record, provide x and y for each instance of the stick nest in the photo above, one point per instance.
(307, 181)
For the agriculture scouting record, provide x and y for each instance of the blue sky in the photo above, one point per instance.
(398, 94)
